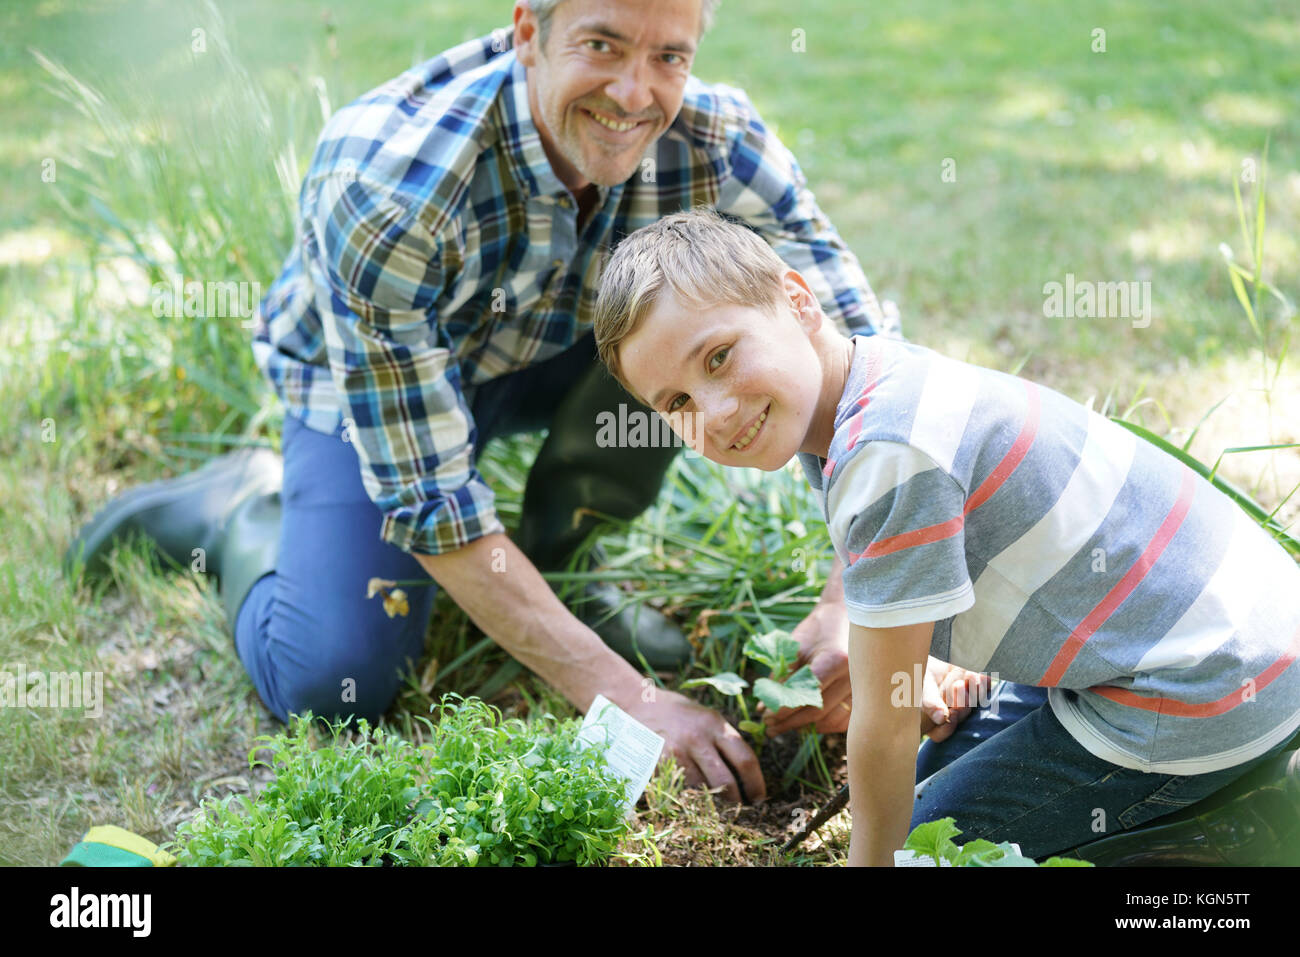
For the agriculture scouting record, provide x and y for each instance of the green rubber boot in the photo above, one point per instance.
(250, 548)
(1254, 821)
(572, 472)
(219, 518)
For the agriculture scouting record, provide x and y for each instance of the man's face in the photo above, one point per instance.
(608, 82)
(739, 385)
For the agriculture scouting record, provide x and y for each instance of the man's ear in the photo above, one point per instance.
(525, 34)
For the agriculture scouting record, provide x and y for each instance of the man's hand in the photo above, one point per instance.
(521, 614)
(709, 750)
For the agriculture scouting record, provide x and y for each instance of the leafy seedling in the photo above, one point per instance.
(776, 651)
(934, 839)
(481, 791)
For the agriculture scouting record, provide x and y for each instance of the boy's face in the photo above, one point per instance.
(739, 385)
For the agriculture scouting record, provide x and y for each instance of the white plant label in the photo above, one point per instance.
(631, 748)
(913, 859)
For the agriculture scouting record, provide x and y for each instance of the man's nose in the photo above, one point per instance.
(631, 88)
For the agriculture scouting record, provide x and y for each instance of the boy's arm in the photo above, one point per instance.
(823, 646)
(883, 738)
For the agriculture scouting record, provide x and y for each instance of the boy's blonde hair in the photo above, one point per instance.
(703, 259)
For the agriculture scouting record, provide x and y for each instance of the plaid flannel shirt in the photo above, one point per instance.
(436, 250)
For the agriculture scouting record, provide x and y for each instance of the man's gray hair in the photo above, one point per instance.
(543, 9)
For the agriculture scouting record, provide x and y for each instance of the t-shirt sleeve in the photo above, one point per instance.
(897, 522)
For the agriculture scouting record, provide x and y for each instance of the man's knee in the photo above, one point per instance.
(337, 689)
(340, 675)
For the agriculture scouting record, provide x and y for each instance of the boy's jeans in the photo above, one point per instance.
(1019, 776)
(307, 634)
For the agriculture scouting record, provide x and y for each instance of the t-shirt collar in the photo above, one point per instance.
(864, 368)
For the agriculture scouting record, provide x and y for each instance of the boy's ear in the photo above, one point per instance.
(801, 300)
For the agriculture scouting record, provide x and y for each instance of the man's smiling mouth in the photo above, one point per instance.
(617, 126)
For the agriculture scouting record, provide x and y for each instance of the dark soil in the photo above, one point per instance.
(705, 830)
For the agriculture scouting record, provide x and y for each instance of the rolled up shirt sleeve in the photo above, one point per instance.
(767, 189)
(378, 274)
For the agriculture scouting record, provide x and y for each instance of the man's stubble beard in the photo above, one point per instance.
(609, 169)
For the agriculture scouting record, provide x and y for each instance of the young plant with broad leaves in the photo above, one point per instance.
(782, 687)
(935, 839)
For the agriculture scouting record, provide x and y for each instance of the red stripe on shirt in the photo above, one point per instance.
(1095, 618)
(1210, 709)
(855, 423)
(921, 536)
(855, 429)
(935, 533)
(1015, 455)
(863, 396)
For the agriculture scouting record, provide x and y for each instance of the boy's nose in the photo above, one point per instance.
(720, 418)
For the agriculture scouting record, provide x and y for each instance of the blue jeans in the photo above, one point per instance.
(1019, 776)
(307, 635)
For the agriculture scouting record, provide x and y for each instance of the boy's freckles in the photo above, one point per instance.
(654, 356)
(750, 379)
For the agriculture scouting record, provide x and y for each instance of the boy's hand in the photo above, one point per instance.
(949, 695)
(709, 750)
(824, 647)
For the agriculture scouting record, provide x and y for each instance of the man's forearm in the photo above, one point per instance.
(833, 592)
(506, 596)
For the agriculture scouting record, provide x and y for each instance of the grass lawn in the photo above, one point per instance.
(970, 154)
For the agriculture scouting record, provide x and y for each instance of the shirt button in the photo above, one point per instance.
(559, 263)
(566, 202)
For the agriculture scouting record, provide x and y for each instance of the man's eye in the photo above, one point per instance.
(676, 403)
(674, 59)
(716, 359)
(599, 46)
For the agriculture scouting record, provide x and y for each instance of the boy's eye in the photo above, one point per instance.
(716, 359)
(674, 404)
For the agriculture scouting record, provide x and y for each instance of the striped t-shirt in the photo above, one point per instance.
(1054, 548)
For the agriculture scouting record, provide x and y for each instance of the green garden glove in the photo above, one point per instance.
(110, 846)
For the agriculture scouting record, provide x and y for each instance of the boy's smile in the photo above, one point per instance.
(741, 386)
